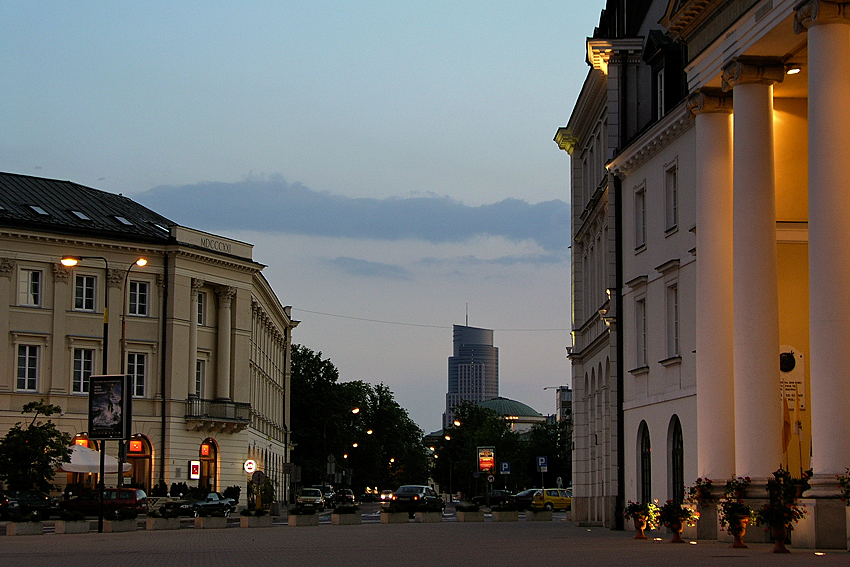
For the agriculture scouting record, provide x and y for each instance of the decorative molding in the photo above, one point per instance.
(812, 13)
(115, 278)
(226, 293)
(752, 72)
(708, 101)
(668, 266)
(7, 267)
(655, 139)
(60, 272)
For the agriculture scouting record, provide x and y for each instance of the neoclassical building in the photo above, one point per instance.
(198, 329)
(724, 127)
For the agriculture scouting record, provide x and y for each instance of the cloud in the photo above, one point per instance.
(357, 267)
(274, 205)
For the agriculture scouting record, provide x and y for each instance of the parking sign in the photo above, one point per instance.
(542, 464)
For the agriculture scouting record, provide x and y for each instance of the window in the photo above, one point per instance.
(677, 462)
(202, 302)
(672, 320)
(29, 288)
(659, 93)
(199, 378)
(138, 298)
(83, 365)
(640, 217)
(645, 465)
(136, 369)
(84, 293)
(672, 197)
(640, 331)
(27, 368)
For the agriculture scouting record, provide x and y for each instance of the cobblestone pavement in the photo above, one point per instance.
(448, 543)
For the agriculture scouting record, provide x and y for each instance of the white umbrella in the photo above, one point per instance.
(85, 460)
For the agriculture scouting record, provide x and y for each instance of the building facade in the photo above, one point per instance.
(198, 328)
(728, 248)
(473, 368)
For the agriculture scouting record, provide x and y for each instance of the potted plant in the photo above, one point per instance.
(259, 518)
(734, 516)
(469, 512)
(535, 515)
(392, 515)
(71, 522)
(781, 511)
(504, 512)
(29, 524)
(675, 517)
(210, 520)
(165, 520)
(346, 515)
(700, 492)
(644, 515)
(121, 520)
(299, 516)
(432, 513)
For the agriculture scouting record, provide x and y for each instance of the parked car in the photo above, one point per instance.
(386, 497)
(553, 499)
(413, 498)
(369, 497)
(311, 498)
(523, 499)
(496, 498)
(344, 496)
(113, 499)
(198, 502)
(328, 494)
(33, 501)
(8, 505)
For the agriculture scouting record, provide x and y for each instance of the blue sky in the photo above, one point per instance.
(390, 161)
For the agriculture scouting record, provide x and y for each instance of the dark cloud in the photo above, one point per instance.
(274, 205)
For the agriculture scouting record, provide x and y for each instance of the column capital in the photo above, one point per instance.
(707, 101)
(7, 267)
(811, 13)
(226, 293)
(60, 272)
(752, 72)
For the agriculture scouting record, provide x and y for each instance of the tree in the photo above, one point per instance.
(554, 441)
(30, 455)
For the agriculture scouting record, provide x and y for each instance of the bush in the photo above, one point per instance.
(71, 515)
(504, 507)
(126, 513)
(346, 509)
(467, 507)
(232, 492)
(299, 511)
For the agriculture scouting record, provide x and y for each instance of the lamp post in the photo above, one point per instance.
(121, 446)
(68, 262)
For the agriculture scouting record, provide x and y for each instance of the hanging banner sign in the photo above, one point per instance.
(110, 407)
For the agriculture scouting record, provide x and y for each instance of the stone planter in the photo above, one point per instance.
(72, 526)
(539, 516)
(428, 517)
(115, 526)
(506, 516)
(162, 524)
(303, 520)
(256, 521)
(347, 519)
(394, 517)
(470, 516)
(25, 528)
(210, 522)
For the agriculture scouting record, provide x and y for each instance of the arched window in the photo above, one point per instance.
(677, 461)
(645, 463)
(209, 464)
(139, 456)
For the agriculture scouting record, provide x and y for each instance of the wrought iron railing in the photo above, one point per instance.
(218, 410)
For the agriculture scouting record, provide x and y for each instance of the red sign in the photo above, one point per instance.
(136, 446)
(205, 450)
(486, 459)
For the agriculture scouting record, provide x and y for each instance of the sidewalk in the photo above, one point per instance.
(411, 545)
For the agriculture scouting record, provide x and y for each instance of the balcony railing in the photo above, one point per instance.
(217, 415)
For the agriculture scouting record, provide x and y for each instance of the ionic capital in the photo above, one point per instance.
(752, 72)
(811, 13)
(708, 101)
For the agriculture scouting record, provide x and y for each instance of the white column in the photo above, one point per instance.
(193, 337)
(714, 286)
(225, 296)
(758, 419)
(829, 233)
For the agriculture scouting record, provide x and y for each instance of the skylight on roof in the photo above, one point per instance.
(124, 221)
(160, 227)
(39, 210)
(81, 215)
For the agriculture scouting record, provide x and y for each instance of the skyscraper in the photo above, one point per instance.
(473, 368)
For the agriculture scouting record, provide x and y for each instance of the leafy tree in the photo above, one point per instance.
(554, 441)
(30, 454)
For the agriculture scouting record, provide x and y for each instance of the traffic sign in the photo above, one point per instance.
(250, 466)
(542, 464)
(491, 478)
(505, 468)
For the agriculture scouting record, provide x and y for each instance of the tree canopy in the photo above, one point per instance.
(30, 454)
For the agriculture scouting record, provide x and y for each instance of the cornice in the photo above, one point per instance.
(656, 138)
(600, 51)
(589, 105)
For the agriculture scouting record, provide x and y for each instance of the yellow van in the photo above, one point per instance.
(553, 499)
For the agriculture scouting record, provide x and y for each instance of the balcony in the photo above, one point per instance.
(217, 416)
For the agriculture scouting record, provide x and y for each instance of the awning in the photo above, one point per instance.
(85, 460)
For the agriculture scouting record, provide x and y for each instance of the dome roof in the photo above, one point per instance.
(506, 407)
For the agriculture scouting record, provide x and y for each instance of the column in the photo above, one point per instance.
(193, 337)
(758, 419)
(829, 231)
(225, 296)
(59, 351)
(714, 285)
(7, 277)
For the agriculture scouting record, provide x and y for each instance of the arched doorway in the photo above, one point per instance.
(645, 463)
(139, 456)
(208, 454)
(676, 449)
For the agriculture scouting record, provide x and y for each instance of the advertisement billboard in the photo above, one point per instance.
(110, 408)
(486, 459)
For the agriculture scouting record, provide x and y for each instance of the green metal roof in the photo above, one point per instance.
(507, 407)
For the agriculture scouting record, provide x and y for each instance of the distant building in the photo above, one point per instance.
(198, 328)
(473, 369)
(520, 417)
(564, 404)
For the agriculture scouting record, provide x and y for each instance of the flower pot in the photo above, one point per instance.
(347, 519)
(72, 527)
(640, 526)
(25, 528)
(301, 520)
(210, 522)
(115, 526)
(738, 529)
(394, 517)
(676, 528)
(428, 517)
(505, 516)
(539, 516)
(162, 523)
(779, 533)
(470, 516)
